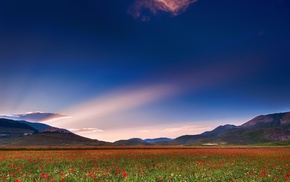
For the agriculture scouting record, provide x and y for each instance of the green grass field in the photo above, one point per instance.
(145, 164)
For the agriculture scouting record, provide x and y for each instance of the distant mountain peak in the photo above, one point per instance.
(269, 120)
(258, 120)
(137, 139)
(157, 140)
(226, 126)
(219, 129)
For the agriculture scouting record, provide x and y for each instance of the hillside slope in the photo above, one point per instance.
(261, 129)
(55, 139)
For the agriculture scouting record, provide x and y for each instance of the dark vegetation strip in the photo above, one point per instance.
(37, 148)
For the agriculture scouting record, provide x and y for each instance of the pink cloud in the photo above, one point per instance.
(85, 130)
(173, 7)
(36, 116)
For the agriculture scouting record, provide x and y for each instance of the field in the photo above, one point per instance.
(145, 164)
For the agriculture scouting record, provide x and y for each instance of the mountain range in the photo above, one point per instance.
(24, 133)
(261, 130)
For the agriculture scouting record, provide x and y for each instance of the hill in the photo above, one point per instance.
(37, 126)
(24, 133)
(54, 139)
(11, 128)
(261, 129)
(140, 142)
(131, 142)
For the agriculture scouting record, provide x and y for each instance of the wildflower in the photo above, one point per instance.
(125, 174)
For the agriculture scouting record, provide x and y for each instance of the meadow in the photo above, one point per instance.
(145, 164)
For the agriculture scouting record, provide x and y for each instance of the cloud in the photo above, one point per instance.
(173, 7)
(35, 116)
(85, 130)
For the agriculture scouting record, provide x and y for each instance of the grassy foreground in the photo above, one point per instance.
(146, 164)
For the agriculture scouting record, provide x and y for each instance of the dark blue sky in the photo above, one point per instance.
(225, 60)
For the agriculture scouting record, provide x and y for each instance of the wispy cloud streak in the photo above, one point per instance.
(115, 102)
(85, 130)
(95, 111)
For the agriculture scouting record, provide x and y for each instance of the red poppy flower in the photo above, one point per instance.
(125, 174)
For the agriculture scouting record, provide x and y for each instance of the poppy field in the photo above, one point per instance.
(146, 164)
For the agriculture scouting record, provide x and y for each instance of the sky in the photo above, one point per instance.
(112, 69)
